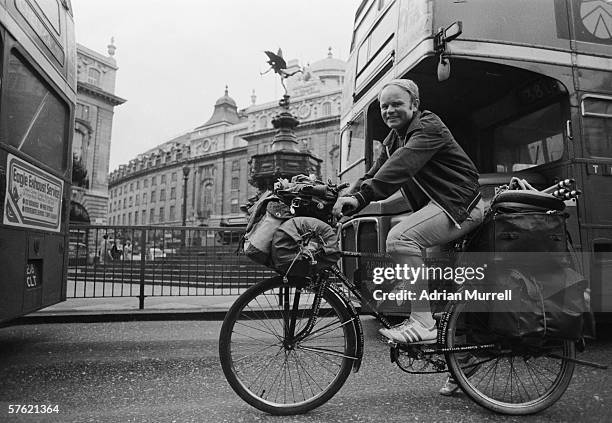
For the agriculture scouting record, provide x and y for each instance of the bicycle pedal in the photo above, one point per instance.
(389, 342)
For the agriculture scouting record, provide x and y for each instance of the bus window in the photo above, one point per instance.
(597, 119)
(38, 122)
(50, 9)
(360, 28)
(531, 140)
(374, 43)
(352, 144)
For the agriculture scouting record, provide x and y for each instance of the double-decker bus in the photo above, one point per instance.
(37, 97)
(525, 86)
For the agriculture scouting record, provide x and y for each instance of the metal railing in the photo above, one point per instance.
(145, 261)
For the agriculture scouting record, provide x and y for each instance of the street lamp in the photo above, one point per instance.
(186, 170)
(185, 177)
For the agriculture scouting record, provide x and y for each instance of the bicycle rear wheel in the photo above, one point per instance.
(511, 377)
(263, 362)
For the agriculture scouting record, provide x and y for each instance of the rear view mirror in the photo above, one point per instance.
(453, 31)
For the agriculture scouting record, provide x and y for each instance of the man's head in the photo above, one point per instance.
(398, 99)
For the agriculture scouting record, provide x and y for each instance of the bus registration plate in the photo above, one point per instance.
(33, 274)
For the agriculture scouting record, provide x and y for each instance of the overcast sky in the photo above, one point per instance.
(175, 57)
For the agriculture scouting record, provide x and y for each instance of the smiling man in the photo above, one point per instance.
(438, 179)
(422, 159)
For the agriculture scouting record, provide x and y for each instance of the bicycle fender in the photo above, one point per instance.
(357, 328)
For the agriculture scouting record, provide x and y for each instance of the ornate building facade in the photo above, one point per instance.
(96, 101)
(212, 160)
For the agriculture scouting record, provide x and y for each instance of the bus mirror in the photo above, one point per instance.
(453, 31)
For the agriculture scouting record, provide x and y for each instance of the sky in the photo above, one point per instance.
(176, 57)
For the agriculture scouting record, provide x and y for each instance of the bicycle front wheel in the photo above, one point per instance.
(509, 376)
(266, 361)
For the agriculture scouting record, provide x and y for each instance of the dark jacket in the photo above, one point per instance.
(428, 164)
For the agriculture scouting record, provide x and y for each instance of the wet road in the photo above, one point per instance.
(170, 372)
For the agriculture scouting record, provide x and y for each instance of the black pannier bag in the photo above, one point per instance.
(543, 305)
(524, 243)
(299, 240)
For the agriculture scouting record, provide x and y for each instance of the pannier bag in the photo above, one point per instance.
(521, 232)
(298, 240)
(266, 215)
(544, 305)
(523, 241)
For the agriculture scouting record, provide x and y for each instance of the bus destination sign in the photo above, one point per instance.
(34, 197)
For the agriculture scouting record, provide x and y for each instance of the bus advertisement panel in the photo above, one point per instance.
(34, 197)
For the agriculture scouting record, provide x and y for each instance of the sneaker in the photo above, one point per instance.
(411, 332)
(450, 385)
(449, 388)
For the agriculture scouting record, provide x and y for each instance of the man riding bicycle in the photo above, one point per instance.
(422, 159)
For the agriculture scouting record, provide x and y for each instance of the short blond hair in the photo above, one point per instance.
(407, 85)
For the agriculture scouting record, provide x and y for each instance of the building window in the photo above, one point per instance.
(131, 202)
(234, 206)
(137, 203)
(235, 183)
(154, 181)
(136, 218)
(82, 111)
(263, 122)
(153, 196)
(93, 76)
(161, 214)
(110, 207)
(305, 144)
(120, 190)
(163, 179)
(123, 219)
(144, 198)
(144, 216)
(207, 200)
(162, 195)
(326, 109)
(129, 218)
(124, 202)
(138, 184)
(145, 183)
(173, 177)
(173, 193)
(172, 213)
(152, 216)
(131, 186)
(235, 165)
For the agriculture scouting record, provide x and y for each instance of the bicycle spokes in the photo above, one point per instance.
(288, 347)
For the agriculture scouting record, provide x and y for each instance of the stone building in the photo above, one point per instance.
(215, 155)
(96, 101)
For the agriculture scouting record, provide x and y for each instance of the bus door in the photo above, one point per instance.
(595, 167)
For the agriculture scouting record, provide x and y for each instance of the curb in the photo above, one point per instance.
(117, 316)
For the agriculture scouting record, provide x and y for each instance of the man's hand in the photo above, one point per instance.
(344, 205)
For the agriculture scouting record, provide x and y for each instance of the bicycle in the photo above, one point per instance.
(289, 343)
